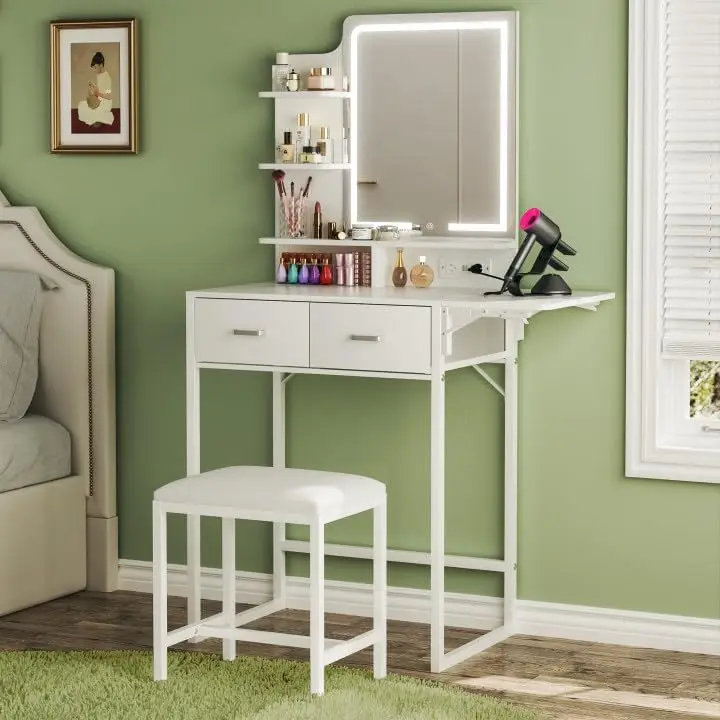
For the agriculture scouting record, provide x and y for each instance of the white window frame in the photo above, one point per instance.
(661, 442)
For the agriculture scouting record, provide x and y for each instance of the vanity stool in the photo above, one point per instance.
(305, 497)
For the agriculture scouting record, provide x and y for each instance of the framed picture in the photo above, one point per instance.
(93, 81)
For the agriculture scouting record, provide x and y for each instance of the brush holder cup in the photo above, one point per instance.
(292, 217)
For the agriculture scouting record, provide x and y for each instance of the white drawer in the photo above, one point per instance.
(251, 332)
(379, 338)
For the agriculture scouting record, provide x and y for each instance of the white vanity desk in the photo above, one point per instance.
(379, 332)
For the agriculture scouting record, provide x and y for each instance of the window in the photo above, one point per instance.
(673, 349)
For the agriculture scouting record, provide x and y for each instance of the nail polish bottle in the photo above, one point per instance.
(326, 273)
(304, 274)
(292, 276)
(281, 274)
(314, 272)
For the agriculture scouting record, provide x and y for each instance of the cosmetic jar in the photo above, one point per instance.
(387, 232)
(321, 78)
(293, 81)
(362, 232)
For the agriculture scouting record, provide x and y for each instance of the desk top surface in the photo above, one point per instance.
(442, 296)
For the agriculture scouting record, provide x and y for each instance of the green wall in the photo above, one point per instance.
(186, 214)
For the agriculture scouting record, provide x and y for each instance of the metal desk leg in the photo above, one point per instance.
(437, 497)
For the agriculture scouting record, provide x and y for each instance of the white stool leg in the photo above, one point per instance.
(160, 615)
(228, 579)
(317, 608)
(380, 591)
(279, 577)
(193, 572)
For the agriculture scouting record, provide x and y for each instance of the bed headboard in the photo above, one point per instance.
(76, 385)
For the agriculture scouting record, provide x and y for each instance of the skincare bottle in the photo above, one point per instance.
(281, 275)
(304, 273)
(339, 268)
(302, 132)
(292, 276)
(324, 145)
(280, 72)
(345, 146)
(349, 269)
(399, 276)
(314, 272)
(293, 81)
(287, 149)
(422, 275)
(326, 273)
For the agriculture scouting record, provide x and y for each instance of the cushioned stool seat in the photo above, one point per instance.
(277, 495)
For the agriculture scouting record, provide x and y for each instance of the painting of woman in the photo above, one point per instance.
(96, 109)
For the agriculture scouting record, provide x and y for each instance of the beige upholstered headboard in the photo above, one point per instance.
(77, 368)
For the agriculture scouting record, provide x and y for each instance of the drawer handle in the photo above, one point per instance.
(249, 333)
(365, 338)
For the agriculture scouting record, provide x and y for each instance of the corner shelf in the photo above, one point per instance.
(305, 166)
(307, 94)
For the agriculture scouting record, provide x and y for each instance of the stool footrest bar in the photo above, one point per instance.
(349, 647)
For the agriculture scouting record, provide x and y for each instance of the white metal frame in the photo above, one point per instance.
(658, 440)
(514, 313)
(227, 624)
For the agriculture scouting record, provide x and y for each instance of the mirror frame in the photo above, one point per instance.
(508, 23)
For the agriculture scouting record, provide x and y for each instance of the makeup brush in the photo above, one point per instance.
(292, 189)
(307, 187)
(278, 176)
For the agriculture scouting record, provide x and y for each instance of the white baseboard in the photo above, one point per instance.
(570, 622)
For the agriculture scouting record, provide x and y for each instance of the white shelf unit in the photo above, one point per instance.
(307, 95)
(330, 187)
(309, 167)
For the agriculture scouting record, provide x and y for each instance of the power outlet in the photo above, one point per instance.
(453, 268)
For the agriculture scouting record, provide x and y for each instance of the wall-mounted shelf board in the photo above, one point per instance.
(429, 243)
(307, 94)
(305, 166)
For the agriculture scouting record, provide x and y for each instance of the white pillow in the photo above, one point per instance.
(20, 311)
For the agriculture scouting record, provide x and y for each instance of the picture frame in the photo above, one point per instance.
(93, 86)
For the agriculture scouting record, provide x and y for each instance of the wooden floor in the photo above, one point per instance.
(565, 680)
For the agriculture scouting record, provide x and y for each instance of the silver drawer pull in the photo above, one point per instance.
(249, 333)
(365, 338)
(710, 429)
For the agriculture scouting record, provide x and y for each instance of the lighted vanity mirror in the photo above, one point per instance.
(433, 113)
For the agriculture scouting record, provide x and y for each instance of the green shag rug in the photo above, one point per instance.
(38, 685)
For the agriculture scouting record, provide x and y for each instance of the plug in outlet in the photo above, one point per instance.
(452, 268)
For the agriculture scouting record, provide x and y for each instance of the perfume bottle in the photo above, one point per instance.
(287, 149)
(292, 273)
(422, 275)
(281, 274)
(399, 276)
(314, 272)
(304, 273)
(280, 72)
(326, 273)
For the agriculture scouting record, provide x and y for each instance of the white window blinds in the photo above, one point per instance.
(690, 136)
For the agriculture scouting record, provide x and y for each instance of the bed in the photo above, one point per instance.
(58, 536)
